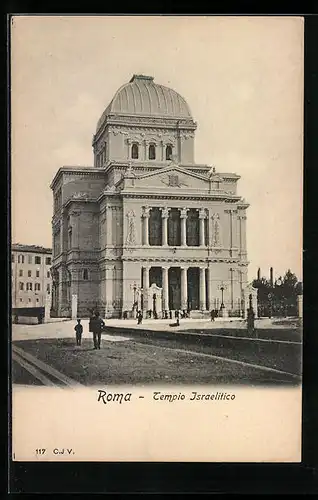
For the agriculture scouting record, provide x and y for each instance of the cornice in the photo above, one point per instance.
(172, 260)
(180, 196)
(74, 170)
(144, 122)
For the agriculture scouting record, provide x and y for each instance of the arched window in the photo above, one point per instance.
(85, 274)
(152, 152)
(169, 152)
(134, 151)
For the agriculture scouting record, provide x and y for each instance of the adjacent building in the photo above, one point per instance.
(31, 276)
(146, 227)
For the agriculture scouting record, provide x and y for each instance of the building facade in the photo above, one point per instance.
(146, 227)
(30, 274)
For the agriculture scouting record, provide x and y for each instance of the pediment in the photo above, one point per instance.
(173, 178)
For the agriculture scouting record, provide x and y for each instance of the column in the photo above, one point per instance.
(145, 271)
(202, 289)
(162, 145)
(202, 216)
(232, 228)
(183, 218)
(146, 215)
(128, 152)
(74, 223)
(232, 287)
(243, 232)
(164, 216)
(165, 288)
(184, 288)
(109, 216)
(210, 224)
(145, 150)
(210, 304)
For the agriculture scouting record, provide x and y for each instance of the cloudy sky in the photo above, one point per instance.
(241, 76)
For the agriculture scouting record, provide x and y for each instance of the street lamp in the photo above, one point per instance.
(222, 287)
(134, 288)
(279, 283)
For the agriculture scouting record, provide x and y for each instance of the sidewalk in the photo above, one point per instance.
(65, 328)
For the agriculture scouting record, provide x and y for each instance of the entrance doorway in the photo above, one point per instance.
(193, 288)
(174, 275)
(155, 276)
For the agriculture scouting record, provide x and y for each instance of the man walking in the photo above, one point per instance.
(96, 327)
(79, 330)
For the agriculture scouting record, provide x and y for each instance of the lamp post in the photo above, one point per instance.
(134, 288)
(222, 287)
(278, 284)
(223, 311)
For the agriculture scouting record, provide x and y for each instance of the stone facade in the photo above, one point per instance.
(146, 227)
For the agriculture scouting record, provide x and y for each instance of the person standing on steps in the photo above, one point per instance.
(96, 327)
(79, 331)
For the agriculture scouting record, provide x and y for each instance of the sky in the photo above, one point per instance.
(242, 78)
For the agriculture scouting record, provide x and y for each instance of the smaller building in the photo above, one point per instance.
(30, 275)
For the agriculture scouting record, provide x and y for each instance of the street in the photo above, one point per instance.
(47, 355)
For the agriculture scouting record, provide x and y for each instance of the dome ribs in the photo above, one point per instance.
(142, 96)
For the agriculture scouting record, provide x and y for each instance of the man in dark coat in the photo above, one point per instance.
(96, 327)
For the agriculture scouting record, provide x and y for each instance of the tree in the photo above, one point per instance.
(281, 298)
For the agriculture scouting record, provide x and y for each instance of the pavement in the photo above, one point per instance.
(65, 328)
(197, 351)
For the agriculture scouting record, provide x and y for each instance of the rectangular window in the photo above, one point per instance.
(29, 274)
(29, 259)
(37, 287)
(29, 286)
(21, 285)
(37, 273)
(21, 259)
(21, 300)
(20, 272)
(37, 260)
(48, 261)
(48, 288)
(48, 274)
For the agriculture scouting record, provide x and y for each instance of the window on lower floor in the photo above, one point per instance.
(48, 275)
(37, 287)
(29, 274)
(29, 287)
(20, 272)
(21, 285)
(85, 274)
(37, 274)
(48, 288)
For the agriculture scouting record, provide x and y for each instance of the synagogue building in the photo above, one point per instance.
(146, 228)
